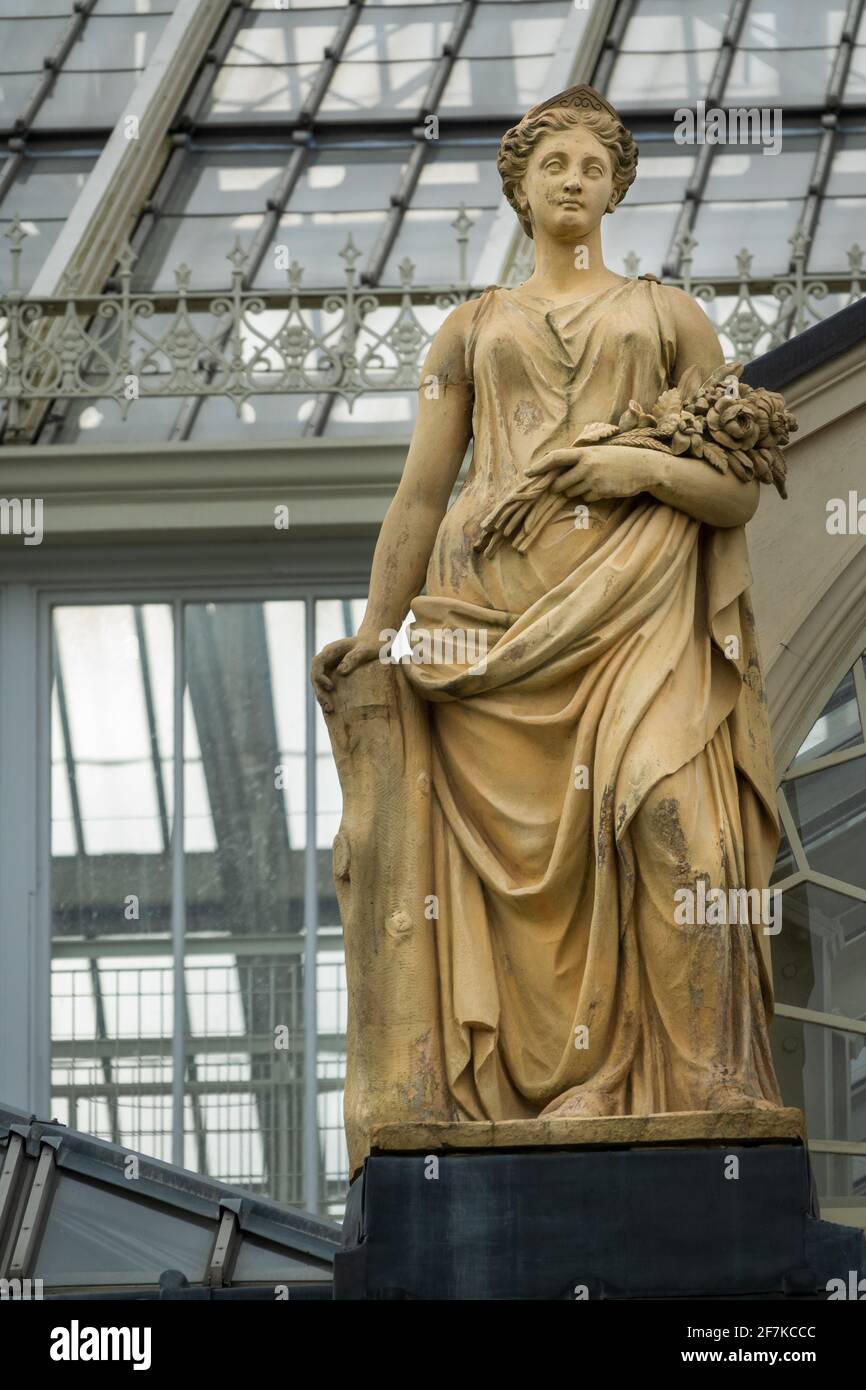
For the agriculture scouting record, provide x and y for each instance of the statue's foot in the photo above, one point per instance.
(580, 1102)
(735, 1098)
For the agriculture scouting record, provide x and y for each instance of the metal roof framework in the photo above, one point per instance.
(87, 1217)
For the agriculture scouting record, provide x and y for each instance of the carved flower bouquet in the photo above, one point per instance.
(721, 421)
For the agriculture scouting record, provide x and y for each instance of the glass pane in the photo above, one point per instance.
(85, 101)
(163, 7)
(665, 26)
(245, 832)
(99, 1237)
(841, 1183)
(781, 24)
(837, 727)
(331, 1028)
(821, 1071)
(792, 77)
(203, 243)
(660, 79)
(32, 9)
(25, 42)
(245, 1069)
(501, 30)
(100, 421)
(246, 93)
(348, 180)
(111, 807)
(645, 229)
(281, 36)
(376, 413)
(112, 767)
(785, 863)
(47, 187)
(746, 172)
(38, 241)
(840, 224)
(261, 417)
(764, 228)
(828, 808)
(495, 86)
(848, 168)
(112, 1020)
(397, 33)
(244, 754)
(376, 89)
(115, 42)
(664, 171)
(454, 174)
(819, 957)
(223, 182)
(258, 1263)
(315, 240)
(855, 87)
(15, 92)
(335, 619)
(429, 241)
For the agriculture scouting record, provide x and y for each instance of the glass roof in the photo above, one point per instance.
(60, 115)
(312, 129)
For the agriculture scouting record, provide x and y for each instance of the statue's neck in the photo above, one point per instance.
(569, 267)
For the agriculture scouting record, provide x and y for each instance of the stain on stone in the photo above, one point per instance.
(669, 831)
(605, 826)
(754, 680)
(527, 417)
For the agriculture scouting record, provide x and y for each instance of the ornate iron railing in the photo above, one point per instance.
(127, 345)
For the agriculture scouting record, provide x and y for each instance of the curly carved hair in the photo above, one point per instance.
(517, 145)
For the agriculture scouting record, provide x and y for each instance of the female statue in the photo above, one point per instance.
(611, 749)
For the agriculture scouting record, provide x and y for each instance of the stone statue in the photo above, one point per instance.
(578, 748)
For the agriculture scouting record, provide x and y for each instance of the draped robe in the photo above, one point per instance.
(611, 748)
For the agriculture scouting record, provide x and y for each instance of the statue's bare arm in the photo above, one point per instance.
(439, 442)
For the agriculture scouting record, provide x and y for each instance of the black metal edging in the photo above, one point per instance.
(822, 342)
(172, 1187)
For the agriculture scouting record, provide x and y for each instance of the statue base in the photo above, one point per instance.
(705, 1205)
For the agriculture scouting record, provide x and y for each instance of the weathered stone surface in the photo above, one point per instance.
(686, 1126)
(381, 743)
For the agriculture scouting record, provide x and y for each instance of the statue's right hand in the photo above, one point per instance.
(341, 659)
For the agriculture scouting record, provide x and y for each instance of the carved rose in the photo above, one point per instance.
(734, 423)
(776, 422)
(687, 437)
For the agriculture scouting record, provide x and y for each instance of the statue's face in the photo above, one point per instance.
(568, 183)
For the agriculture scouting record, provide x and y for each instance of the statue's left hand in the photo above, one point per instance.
(341, 658)
(594, 472)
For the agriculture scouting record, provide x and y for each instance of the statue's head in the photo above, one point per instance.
(566, 163)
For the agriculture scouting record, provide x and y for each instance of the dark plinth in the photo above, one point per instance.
(598, 1222)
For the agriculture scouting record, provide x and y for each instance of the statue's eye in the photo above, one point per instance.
(552, 165)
